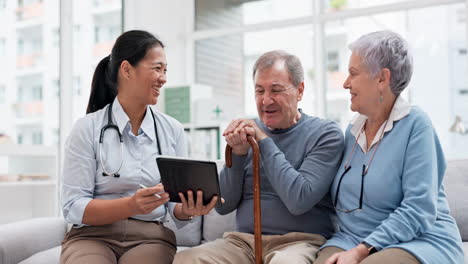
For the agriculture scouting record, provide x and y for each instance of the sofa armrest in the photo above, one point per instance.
(19, 240)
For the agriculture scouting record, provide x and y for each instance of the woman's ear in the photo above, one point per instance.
(125, 70)
(384, 79)
(385, 76)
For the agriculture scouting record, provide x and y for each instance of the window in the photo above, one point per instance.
(56, 135)
(77, 86)
(213, 14)
(90, 46)
(339, 5)
(56, 88)
(36, 138)
(21, 94)
(230, 34)
(2, 46)
(29, 89)
(36, 93)
(333, 61)
(2, 94)
(19, 138)
(56, 37)
(20, 47)
(29, 9)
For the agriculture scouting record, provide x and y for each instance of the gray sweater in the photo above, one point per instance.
(298, 165)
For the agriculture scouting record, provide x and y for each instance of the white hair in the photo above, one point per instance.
(386, 49)
(292, 62)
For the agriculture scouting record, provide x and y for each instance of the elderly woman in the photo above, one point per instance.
(388, 193)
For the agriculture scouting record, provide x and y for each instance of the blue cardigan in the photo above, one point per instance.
(404, 203)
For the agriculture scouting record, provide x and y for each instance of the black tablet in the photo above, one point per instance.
(183, 174)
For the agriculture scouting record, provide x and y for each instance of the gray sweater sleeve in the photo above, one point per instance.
(302, 189)
(232, 184)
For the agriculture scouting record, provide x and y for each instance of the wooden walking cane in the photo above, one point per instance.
(256, 190)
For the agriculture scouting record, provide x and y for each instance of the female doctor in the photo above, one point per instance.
(111, 152)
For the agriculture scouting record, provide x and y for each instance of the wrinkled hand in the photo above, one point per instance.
(352, 256)
(144, 201)
(236, 135)
(191, 209)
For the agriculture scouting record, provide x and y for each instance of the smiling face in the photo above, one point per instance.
(364, 88)
(276, 96)
(148, 76)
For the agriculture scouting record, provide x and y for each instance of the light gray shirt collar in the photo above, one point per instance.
(122, 120)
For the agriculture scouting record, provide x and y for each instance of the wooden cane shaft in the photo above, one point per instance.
(257, 206)
(256, 190)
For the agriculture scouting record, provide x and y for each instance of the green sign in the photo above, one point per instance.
(177, 103)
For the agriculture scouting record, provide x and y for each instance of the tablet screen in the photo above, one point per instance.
(181, 175)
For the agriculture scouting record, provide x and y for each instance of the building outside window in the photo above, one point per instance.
(2, 94)
(29, 94)
(230, 35)
(3, 4)
(2, 46)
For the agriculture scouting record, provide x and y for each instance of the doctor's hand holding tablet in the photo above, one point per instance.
(191, 183)
(147, 199)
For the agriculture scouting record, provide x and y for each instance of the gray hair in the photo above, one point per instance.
(386, 49)
(292, 62)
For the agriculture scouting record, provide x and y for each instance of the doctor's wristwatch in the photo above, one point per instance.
(369, 247)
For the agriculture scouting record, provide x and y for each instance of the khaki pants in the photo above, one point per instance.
(126, 241)
(236, 247)
(386, 256)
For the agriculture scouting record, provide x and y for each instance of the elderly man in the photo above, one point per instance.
(299, 159)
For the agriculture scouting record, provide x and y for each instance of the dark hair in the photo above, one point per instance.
(130, 46)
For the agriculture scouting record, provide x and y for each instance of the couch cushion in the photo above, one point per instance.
(456, 186)
(189, 235)
(214, 225)
(22, 239)
(50, 256)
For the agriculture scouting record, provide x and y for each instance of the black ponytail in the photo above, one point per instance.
(102, 90)
(130, 46)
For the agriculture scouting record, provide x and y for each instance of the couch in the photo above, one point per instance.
(37, 241)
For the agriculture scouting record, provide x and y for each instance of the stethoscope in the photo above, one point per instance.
(111, 125)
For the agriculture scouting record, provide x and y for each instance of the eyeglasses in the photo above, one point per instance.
(365, 169)
(364, 172)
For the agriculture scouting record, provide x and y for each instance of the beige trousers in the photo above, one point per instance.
(236, 247)
(126, 241)
(386, 256)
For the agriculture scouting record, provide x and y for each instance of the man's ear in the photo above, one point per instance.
(300, 91)
(125, 70)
